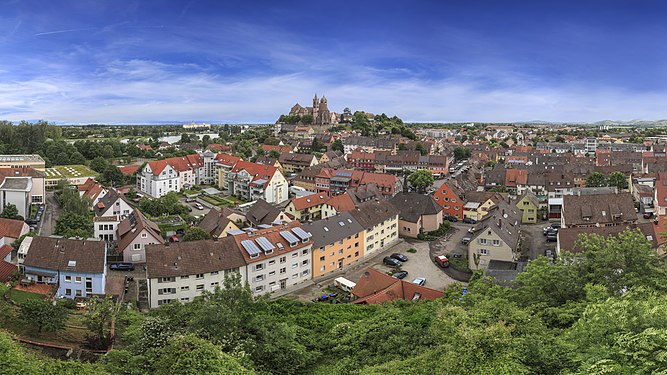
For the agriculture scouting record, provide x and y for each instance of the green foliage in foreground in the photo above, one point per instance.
(602, 312)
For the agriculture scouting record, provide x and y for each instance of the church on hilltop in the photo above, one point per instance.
(319, 111)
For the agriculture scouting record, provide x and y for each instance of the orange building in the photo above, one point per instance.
(338, 242)
(450, 201)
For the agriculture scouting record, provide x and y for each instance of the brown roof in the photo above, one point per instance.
(412, 206)
(374, 212)
(56, 254)
(375, 287)
(567, 237)
(215, 221)
(273, 235)
(342, 202)
(134, 224)
(191, 258)
(11, 228)
(309, 201)
(598, 208)
(262, 212)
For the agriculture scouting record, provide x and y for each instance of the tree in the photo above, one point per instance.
(421, 179)
(461, 153)
(196, 234)
(10, 212)
(189, 354)
(420, 147)
(337, 145)
(307, 119)
(274, 154)
(113, 176)
(71, 224)
(43, 315)
(316, 145)
(596, 179)
(99, 164)
(185, 138)
(617, 180)
(101, 311)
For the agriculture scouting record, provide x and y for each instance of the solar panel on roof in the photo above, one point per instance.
(289, 237)
(264, 226)
(250, 247)
(264, 244)
(280, 245)
(301, 233)
(235, 232)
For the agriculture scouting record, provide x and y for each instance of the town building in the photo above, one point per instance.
(418, 213)
(11, 230)
(319, 112)
(112, 204)
(295, 163)
(307, 208)
(264, 213)
(375, 287)
(568, 237)
(528, 205)
(448, 196)
(183, 271)
(338, 241)
(252, 181)
(218, 223)
(23, 161)
(92, 191)
(598, 210)
(496, 237)
(134, 233)
(16, 191)
(379, 218)
(36, 193)
(77, 267)
(106, 227)
(278, 257)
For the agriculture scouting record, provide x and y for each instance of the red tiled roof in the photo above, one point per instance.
(376, 287)
(309, 201)
(227, 159)
(11, 228)
(157, 166)
(273, 236)
(281, 149)
(7, 270)
(129, 169)
(661, 189)
(514, 177)
(4, 250)
(258, 171)
(342, 203)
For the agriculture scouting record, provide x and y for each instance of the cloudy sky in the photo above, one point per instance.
(124, 61)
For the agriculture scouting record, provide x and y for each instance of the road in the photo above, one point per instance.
(51, 214)
(534, 242)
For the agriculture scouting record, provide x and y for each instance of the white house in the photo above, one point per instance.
(253, 181)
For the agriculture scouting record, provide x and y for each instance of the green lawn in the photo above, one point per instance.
(20, 296)
(69, 171)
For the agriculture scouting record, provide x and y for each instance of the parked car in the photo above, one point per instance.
(419, 281)
(469, 220)
(552, 237)
(199, 206)
(190, 199)
(451, 218)
(555, 225)
(648, 215)
(189, 208)
(400, 257)
(546, 230)
(400, 274)
(391, 262)
(550, 254)
(122, 267)
(466, 240)
(442, 261)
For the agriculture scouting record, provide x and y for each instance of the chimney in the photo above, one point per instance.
(500, 223)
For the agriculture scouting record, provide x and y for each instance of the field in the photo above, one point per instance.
(69, 171)
(216, 200)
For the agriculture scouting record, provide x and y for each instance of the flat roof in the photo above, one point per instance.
(8, 158)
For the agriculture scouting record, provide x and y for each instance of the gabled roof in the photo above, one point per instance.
(375, 287)
(503, 219)
(308, 201)
(342, 202)
(90, 189)
(191, 258)
(52, 253)
(275, 237)
(262, 212)
(258, 172)
(215, 221)
(412, 206)
(516, 177)
(108, 201)
(598, 208)
(567, 237)
(4, 250)
(228, 160)
(374, 212)
(135, 223)
(296, 159)
(530, 196)
(11, 228)
(129, 170)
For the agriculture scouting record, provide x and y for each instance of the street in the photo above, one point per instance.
(51, 214)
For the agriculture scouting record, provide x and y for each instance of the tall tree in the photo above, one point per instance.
(421, 179)
(10, 212)
(617, 180)
(196, 234)
(337, 145)
(596, 179)
(43, 315)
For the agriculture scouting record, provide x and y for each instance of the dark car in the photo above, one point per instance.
(550, 254)
(555, 225)
(552, 237)
(451, 218)
(648, 215)
(31, 221)
(400, 275)
(391, 262)
(469, 220)
(122, 267)
(400, 257)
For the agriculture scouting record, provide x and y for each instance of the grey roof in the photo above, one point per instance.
(191, 258)
(330, 230)
(17, 183)
(108, 201)
(412, 206)
(505, 220)
(504, 272)
(374, 212)
(215, 221)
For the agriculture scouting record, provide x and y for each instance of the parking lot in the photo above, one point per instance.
(194, 211)
(534, 242)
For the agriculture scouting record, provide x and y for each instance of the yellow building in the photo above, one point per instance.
(307, 208)
(337, 242)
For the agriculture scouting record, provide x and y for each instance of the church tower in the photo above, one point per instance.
(316, 108)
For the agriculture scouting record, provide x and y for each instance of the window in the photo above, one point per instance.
(323, 268)
(214, 273)
(161, 302)
(259, 288)
(304, 252)
(272, 273)
(259, 266)
(101, 226)
(483, 252)
(482, 241)
(322, 259)
(295, 265)
(199, 276)
(137, 246)
(185, 299)
(77, 279)
(166, 279)
(185, 277)
(272, 262)
(294, 255)
(356, 253)
(185, 288)
(496, 242)
(144, 235)
(305, 262)
(68, 279)
(78, 293)
(200, 287)
(259, 278)
(166, 291)
(356, 235)
(283, 270)
(68, 292)
(283, 259)
(213, 285)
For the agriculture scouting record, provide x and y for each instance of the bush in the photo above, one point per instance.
(67, 303)
(412, 250)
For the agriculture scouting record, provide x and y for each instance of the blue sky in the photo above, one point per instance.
(249, 61)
